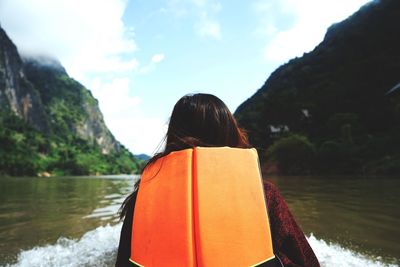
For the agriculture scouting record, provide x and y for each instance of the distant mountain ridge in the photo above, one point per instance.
(43, 109)
(333, 101)
(144, 157)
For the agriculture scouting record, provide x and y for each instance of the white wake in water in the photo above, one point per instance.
(98, 248)
(95, 248)
(330, 255)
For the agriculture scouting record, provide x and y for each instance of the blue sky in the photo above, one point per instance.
(138, 57)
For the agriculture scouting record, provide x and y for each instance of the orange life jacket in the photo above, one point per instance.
(202, 207)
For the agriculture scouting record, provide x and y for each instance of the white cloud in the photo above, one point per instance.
(209, 28)
(179, 8)
(114, 96)
(157, 58)
(208, 25)
(204, 11)
(268, 17)
(137, 131)
(96, 48)
(199, 3)
(307, 20)
(84, 35)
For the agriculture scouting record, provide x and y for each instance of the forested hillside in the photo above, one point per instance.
(336, 109)
(50, 124)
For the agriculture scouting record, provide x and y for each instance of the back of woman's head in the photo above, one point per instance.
(197, 120)
(203, 120)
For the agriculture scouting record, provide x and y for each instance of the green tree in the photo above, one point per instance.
(294, 154)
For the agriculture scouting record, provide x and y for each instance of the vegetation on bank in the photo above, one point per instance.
(26, 151)
(295, 154)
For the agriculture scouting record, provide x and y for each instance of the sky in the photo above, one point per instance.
(138, 57)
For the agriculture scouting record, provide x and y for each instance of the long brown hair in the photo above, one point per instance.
(198, 120)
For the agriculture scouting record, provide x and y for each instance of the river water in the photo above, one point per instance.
(72, 221)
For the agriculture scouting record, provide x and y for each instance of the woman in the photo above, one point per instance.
(203, 120)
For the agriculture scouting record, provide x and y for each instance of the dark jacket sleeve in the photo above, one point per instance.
(288, 239)
(124, 248)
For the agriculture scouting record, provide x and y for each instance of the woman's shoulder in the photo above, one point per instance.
(270, 189)
(274, 199)
(268, 184)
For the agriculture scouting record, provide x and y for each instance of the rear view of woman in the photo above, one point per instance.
(202, 202)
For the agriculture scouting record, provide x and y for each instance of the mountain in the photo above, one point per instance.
(69, 105)
(50, 122)
(143, 157)
(337, 108)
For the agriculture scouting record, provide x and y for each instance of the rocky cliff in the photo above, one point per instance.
(45, 111)
(16, 92)
(69, 106)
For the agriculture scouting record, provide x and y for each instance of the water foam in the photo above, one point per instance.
(330, 255)
(95, 248)
(98, 248)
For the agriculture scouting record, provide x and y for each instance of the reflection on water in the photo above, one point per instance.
(355, 212)
(72, 221)
(38, 211)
